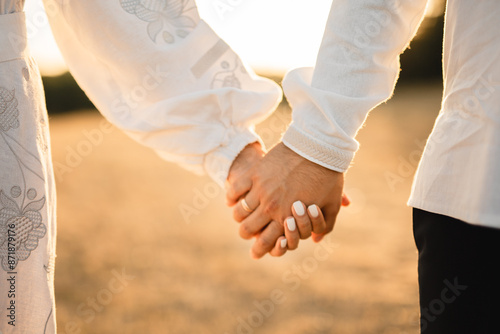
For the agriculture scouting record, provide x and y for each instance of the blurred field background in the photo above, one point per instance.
(120, 209)
(120, 215)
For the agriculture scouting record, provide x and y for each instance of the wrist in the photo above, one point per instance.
(245, 160)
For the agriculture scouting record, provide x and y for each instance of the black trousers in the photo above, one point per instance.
(458, 275)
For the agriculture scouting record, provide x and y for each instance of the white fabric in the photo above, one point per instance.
(356, 69)
(163, 76)
(459, 175)
(27, 192)
(158, 72)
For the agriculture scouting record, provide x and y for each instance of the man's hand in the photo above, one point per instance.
(280, 179)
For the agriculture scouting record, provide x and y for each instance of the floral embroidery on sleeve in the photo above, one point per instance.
(162, 15)
(227, 76)
(24, 225)
(8, 110)
(21, 222)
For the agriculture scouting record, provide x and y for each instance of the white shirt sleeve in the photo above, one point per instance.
(356, 70)
(157, 71)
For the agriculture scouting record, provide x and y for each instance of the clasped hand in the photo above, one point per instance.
(281, 197)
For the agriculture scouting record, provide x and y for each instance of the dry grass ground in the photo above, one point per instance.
(119, 211)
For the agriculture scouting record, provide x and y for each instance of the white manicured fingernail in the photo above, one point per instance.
(299, 208)
(290, 222)
(313, 210)
(284, 243)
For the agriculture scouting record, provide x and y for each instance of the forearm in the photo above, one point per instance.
(165, 78)
(356, 70)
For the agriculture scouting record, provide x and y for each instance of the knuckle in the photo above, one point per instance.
(245, 231)
(305, 235)
(303, 224)
(232, 186)
(231, 194)
(278, 226)
(304, 230)
(271, 206)
(256, 179)
(264, 244)
(237, 216)
(319, 229)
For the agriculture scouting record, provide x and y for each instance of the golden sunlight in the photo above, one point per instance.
(272, 36)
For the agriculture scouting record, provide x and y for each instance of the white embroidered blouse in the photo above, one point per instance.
(158, 72)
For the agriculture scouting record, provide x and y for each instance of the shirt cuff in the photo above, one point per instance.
(313, 150)
(217, 163)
